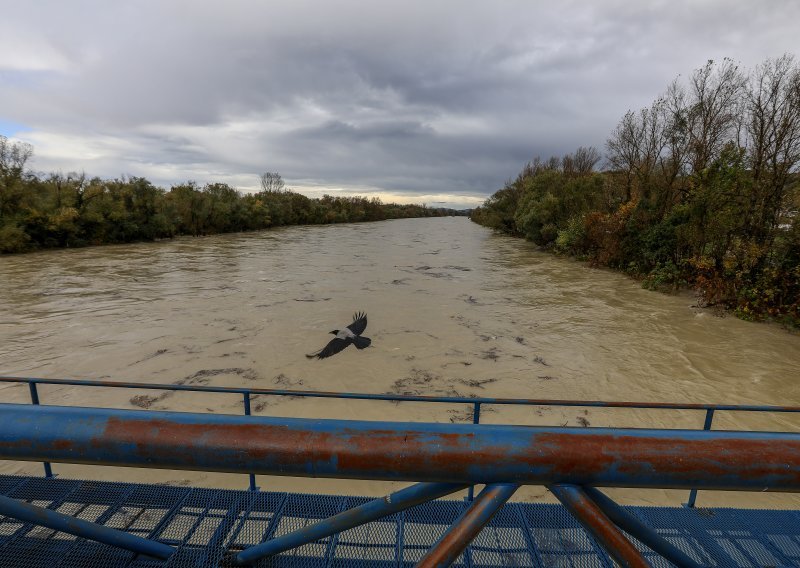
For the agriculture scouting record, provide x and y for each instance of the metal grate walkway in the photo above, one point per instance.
(204, 524)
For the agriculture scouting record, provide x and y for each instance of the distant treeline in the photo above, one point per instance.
(72, 210)
(700, 189)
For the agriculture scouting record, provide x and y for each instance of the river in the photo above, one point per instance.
(453, 310)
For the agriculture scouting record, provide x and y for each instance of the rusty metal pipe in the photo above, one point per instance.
(636, 528)
(592, 518)
(450, 453)
(468, 525)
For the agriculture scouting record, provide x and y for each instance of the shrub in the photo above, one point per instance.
(13, 239)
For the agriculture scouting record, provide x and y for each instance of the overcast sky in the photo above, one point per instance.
(424, 101)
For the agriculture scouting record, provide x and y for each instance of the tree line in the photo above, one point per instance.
(699, 189)
(72, 210)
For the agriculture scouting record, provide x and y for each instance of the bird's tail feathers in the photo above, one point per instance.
(361, 342)
(312, 355)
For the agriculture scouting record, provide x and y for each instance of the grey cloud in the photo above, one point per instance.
(404, 96)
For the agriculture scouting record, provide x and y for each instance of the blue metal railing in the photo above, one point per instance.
(475, 402)
(442, 458)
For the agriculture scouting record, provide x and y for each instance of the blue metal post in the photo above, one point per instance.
(48, 470)
(468, 525)
(246, 395)
(627, 522)
(594, 520)
(706, 426)
(370, 511)
(476, 418)
(28, 513)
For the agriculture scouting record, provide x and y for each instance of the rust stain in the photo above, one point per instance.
(527, 454)
(590, 516)
(646, 455)
(458, 537)
(558, 456)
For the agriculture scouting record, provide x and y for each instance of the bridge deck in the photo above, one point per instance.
(204, 524)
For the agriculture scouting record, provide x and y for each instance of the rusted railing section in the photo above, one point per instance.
(627, 522)
(468, 525)
(403, 451)
(446, 457)
(599, 525)
(476, 403)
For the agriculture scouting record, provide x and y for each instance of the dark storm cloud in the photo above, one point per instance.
(415, 97)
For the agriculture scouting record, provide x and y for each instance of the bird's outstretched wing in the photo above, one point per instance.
(332, 348)
(359, 323)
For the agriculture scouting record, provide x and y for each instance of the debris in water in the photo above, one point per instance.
(490, 354)
(156, 354)
(476, 383)
(146, 400)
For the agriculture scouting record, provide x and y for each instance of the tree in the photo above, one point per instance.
(13, 157)
(272, 182)
(714, 111)
(773, 129)
(581, 163)
(635, 146)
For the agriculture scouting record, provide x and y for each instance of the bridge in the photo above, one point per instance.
(52, 521)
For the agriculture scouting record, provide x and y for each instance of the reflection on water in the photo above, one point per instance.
(453, 309)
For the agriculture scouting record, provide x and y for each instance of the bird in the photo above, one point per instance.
(344, 337)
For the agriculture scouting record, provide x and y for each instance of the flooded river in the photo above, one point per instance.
(453, 310)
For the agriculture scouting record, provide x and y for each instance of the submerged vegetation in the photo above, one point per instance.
(72, 210)
(701, 190)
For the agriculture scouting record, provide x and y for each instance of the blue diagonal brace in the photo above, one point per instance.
(370, 511)
(597, 523)
(633, 526)
(65, 523)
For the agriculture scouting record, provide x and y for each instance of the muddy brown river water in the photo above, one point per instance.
(453, 310)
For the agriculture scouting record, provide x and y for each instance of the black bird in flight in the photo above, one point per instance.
(344, 337)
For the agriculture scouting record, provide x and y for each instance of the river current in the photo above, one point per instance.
(453, 310)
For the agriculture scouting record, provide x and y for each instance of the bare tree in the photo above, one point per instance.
(272, 182)
(673, 161)
(773, 132)
(623, 149)
(635, 146)
(585, 160)
(714, 111)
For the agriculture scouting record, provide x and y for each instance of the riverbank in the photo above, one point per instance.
(40, 212)
(700, 190)
(770, 295)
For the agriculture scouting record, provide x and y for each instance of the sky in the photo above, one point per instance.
(436, 102)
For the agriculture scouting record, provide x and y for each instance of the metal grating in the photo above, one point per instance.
(205, 524)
